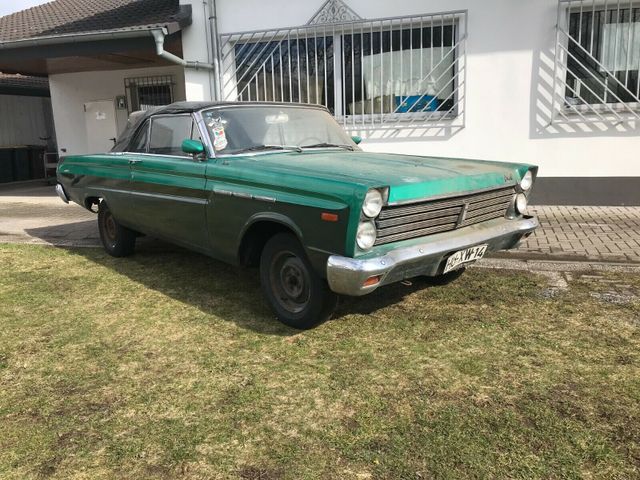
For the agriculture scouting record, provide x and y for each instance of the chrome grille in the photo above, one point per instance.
(402, 222)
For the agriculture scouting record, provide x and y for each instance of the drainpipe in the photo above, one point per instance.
(213, 30)
(159, 36)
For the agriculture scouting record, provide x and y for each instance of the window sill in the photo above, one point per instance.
(394, 119)
(601, 108)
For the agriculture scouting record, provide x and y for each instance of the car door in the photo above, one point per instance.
(116, 186)
(168, 186)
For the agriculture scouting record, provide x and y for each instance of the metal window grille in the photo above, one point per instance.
(368, 73)
(146, 92)
(597, 61)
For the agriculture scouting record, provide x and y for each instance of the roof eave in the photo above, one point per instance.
(88, 36)
(183, 20)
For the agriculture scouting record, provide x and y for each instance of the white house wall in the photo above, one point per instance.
(196, 43)
(510, 58)
(70, 91)
(23, 120)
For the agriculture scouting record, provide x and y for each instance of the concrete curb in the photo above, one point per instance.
(556, 265)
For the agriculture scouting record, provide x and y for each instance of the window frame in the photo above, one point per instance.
(615, 112)
(133, 84)
(147, 124)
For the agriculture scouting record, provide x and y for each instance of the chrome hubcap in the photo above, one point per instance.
(290, 282)
(110, 228)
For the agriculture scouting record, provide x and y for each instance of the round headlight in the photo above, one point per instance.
(366, 236)
(521, 203)
(527, 181)
(372, 203)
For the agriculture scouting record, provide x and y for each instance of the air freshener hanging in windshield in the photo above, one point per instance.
(219, 136)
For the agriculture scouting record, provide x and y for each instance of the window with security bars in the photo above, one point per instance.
(399, 71)
(365, 72)
(598, 57)
(144, 93)
(280, 71)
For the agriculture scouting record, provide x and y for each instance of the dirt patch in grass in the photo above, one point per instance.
(169, 365)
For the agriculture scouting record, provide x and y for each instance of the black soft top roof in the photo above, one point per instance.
(138, 118)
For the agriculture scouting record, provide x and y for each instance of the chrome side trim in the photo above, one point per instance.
(264, 199)
(248, 196)
(178, 198)
(422, 256)
(161, 155)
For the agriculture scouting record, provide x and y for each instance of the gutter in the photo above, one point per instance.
(159, 36)
(75, 38)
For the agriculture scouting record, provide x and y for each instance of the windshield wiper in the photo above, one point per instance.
(259, 148)
(322, 145)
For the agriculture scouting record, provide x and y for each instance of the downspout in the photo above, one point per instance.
(213, 29)
(159, 36)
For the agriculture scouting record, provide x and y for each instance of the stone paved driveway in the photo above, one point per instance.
(34, 214)
(589, 233)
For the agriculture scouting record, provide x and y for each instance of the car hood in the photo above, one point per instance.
(409, 177)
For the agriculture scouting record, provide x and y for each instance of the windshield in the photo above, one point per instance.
(255, 128)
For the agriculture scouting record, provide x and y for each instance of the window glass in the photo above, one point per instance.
(168, 133)
(299, 70)
(151, 96)
(144, 93)
(400, 71)
(239, 128)
(383, 70)
(603, 57)
(139, 141)
(195, 132)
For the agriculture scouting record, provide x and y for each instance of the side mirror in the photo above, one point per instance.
(192, 147)
(356, 139)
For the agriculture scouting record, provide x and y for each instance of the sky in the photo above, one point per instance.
(10, 6)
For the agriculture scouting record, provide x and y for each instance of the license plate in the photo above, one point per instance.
(465, 256)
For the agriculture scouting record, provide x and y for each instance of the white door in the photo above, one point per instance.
(100, 119)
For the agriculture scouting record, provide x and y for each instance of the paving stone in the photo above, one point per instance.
(606, 233)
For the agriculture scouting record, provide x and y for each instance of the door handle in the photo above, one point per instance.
(133, 161)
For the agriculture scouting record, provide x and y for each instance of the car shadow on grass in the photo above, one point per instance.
(227, 292)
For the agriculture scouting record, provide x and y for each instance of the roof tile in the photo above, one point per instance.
(61, 17)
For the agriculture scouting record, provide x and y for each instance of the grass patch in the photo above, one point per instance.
(168, 364)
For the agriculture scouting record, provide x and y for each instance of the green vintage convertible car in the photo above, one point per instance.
(283, 187)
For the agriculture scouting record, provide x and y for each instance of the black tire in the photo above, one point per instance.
(445, 278)
(117, 240)
(297, 295)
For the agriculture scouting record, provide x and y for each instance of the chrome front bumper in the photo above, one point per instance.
(347, 276)
(61, 193)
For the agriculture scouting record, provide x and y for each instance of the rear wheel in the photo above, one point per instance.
(117, 240)
(298, 296)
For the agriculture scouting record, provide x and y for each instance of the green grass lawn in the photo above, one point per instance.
(168, 364)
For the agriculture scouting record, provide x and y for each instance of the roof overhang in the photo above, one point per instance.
(32, 56)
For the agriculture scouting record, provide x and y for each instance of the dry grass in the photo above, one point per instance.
(168, 364)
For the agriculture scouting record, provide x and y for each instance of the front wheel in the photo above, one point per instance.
(298, 296)
(117, 240)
